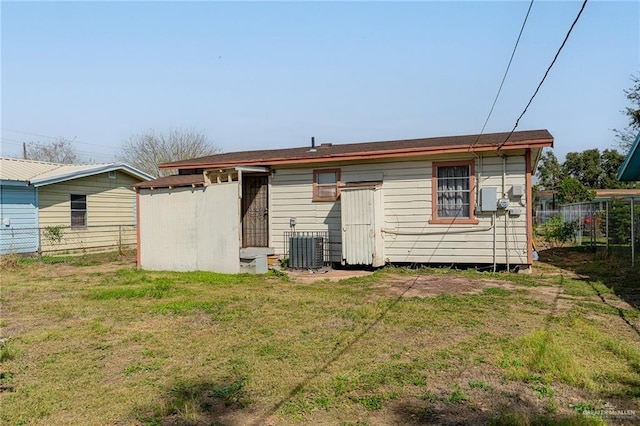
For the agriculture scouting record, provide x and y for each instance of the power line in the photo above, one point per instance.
(50, 137)
(504, 77)
(91, 154)
(546, 73)
(28, 133)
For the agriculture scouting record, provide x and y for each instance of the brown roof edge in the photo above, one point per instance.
(410, 152)
(173, 181)
(379, 149)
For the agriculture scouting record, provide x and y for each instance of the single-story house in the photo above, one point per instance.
(444, 200)
(546, 200)
(630, 170)
(48, 206)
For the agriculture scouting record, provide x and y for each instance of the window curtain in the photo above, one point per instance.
(454, 192)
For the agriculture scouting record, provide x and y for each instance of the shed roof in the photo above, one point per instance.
(630, 170)
(40, 173)
(173, 181)
(606, 194)
(369, 150)
(601, 194)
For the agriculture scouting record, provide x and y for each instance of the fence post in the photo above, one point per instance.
(606, 226)
(120, 239)
(633, 239)
(39, 230)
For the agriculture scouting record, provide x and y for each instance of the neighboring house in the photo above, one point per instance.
(446, 200)
(547, 203)
(75, 199)
(630, 170)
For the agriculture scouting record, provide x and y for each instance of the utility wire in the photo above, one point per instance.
(74, 141)
(504, 77)
(91, 154)
(546, 73)
(29, 133)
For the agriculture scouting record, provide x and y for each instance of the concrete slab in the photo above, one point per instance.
(252, 252)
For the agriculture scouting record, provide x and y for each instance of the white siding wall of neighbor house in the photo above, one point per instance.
(407, 209)
(189, 229)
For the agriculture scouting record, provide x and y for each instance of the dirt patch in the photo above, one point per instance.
(435, 285)
(216, 412)
(307, 277)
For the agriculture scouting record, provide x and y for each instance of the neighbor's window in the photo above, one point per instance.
(453, 192)
(325, 185)
(78, 211)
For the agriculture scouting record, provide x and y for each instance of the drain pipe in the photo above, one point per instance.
(443, 232)
(506, 211)
(493, 220)
(506, 238)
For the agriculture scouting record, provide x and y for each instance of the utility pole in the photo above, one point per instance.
(24, 150)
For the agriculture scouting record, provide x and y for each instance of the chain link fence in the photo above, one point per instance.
(65, 239)
(609, 228)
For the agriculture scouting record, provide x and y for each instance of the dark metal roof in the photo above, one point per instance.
(330, 152)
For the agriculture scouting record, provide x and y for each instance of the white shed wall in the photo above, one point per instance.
(406, 193)
(189, 229)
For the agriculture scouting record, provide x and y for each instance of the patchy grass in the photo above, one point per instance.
(9, 262)
(200, 348)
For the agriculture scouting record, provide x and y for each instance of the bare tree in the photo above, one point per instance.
(146, 150)
(60, 151)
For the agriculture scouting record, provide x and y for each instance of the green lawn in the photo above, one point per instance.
(90, 340)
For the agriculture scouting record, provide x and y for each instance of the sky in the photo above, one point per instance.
(261, 75)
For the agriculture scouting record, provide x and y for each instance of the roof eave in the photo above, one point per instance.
(12, 182)
(90, 172)
(626, 174)
(366, 155)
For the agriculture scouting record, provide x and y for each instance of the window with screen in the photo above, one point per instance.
(78, 211)
(325, 185)
(453, 192)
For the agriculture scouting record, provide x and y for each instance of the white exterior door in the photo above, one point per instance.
(361, 209)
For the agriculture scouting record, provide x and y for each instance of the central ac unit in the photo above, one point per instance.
(306, 252)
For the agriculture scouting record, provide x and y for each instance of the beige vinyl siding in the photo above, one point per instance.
(407, 207)
(291, 193)
(110, 203)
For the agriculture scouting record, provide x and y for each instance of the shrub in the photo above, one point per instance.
(557, 231)
(54, 234)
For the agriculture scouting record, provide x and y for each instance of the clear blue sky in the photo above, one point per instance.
(271, 75)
